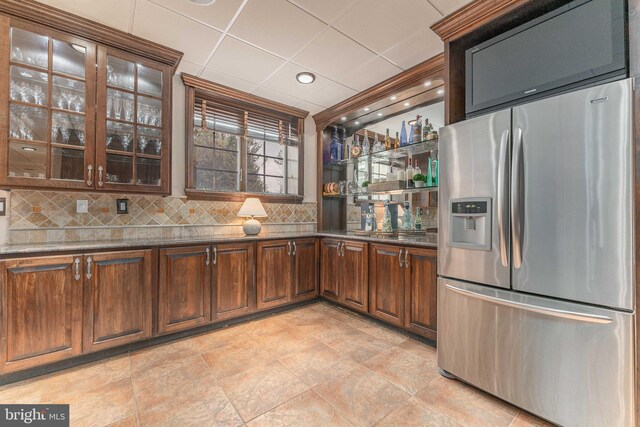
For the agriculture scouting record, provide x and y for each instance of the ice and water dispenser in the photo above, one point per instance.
(470, 223)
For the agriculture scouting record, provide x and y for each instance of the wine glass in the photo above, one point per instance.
(38, 95)
(158, 146)
(71, 99)
(128, 110)
(117, 107)
(109, 106)
(80, 134)
(142, 143)
(23, 88)
(126, 141)
(79, 103)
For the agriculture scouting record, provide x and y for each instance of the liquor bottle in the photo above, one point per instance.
(386, 220)
(434, 168)
(428, 127)
(403, 135)
(387, 141)
(417, 135)
(409, 174)
(334, 147)
(416, 168)
(410, 137)
(429, 172)
(396, 143)
(356, 148)
(406, 217)
(366, 147)
(418, 224)
(377, 145)
(374, 219)
(343, 142)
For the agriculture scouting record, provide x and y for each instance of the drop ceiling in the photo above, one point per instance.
(259, 46)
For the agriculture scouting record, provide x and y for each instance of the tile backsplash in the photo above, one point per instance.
(46, 216)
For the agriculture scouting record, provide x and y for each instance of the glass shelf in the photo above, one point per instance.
(359, 196)
(387, 156)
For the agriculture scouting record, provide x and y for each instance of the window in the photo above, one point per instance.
(237, 148)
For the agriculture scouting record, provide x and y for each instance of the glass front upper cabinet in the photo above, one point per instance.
(81, 115)
(132, 137)
(49, 135)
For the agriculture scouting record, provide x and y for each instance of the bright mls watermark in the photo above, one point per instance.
(34, 415)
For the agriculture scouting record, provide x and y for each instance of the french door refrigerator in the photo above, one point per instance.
(536, 298)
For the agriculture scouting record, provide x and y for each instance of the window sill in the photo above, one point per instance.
(239, 197)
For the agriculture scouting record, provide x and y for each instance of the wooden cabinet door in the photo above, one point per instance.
(41, 302)
(274, 273)
(421, 291)
(234, 283)
(330, 268)
(387, 283)
(354, 271)
(305, 269)
(117, 298)
(184, 289)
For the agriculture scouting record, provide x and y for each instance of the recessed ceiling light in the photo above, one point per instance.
(427, 84)
(393, 98)
(305, 77)
(357, 123)
(366, 108)
(203, 2)
(343, 119)
(379, 114)
(28, 149)
(406, 104)
(440, 91)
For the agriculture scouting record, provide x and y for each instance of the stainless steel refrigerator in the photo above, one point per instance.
(536, 298)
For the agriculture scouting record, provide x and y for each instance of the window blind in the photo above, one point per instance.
(219, 118)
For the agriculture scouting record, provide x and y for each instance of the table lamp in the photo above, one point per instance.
(252, 208)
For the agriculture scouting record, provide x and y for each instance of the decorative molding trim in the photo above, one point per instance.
(57, 19)
(238, 196)
(237, 96)
(411, 77)
(472, 16)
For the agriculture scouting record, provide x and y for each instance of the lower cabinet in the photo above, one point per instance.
(234, 286)
(287, 271)
(387, 284)
(403, 287)
(184, 288)
(117, 298)
(345, 273)
(41, 310)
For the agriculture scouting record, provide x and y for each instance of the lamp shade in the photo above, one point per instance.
(252, 207)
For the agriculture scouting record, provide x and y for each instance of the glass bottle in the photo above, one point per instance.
(434, 168)
(366, 147)
(387, 141)
(396, 143)
(418, 224)
(343, 143)
(406, 216)
(410, 137)
(429, 172)
(409, 174)
(403, 135)
(377, 145)
(334, 148)
(417, 135)
(386, 220)
(374, 219)
(426, 129)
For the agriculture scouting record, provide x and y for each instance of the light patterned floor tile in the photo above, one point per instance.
(416, 413)
(404, 369)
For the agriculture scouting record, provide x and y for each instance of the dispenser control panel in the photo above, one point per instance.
(470, 223)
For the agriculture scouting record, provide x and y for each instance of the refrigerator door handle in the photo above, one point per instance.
(503, 194)
(517, 190)
(555, 312)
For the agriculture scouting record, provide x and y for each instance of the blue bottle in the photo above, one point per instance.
(410, 133)
(403, 135)
(343, 141)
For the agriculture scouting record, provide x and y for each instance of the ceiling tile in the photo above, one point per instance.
(189, 68)
(329, 93)
(311, 108)
(114, 13)
(284, 81)
(244, 61)
(449, 6)
(325, 10)
(161, 25)
(333, 54)
(277, 26)
(227, 80)
(370, 73)
(276, 96)
(380, 24)
(218, 14)
(418, 48)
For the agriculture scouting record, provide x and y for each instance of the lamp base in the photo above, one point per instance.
(251, 227)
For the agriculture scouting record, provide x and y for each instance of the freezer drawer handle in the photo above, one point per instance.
(503, 195)
(565, 314)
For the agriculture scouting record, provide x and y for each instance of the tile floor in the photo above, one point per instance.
(313, 366)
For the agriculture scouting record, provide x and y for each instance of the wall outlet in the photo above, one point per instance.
(3, 206)
(82, 206)
(122, 206)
